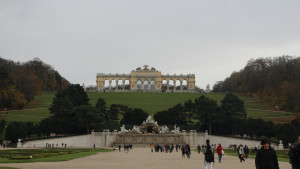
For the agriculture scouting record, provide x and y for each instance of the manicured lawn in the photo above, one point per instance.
(45, 155)
(150, 102)
(263, 114)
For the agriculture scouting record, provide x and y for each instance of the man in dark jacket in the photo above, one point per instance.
(295, 159)
(266, 157)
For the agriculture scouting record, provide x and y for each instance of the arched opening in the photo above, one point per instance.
(106, 84)
(127, 84)
(164, 85)
(152, 84)
(139, 84)
(171, 85)
(120, 84)
(146, 84)
(149, 129)
(177, 84)
(184, 84)
(113, 84)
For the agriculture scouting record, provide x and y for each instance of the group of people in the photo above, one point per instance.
(53, 146)
(126, 147)
(168, 148)
(266, 157)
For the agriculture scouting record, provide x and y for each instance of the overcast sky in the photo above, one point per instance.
(208, 38)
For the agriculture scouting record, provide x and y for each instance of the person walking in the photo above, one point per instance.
(266, 157)
(295, 155)
(219, 152)
(188, 151)
(183, 151)
(209, 158)
(246, 151)
(198, 148)
(241, 153)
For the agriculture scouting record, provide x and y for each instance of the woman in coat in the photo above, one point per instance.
(219, 152)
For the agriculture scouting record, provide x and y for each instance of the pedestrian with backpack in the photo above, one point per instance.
(209, 158)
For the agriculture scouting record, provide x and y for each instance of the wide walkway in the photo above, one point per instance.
(142, 158)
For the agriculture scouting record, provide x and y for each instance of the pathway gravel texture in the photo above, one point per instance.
(142, 158)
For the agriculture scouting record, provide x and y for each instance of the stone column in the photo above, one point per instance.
(123, 84)
(174, 85)
(109, 86)
(142, 85)
(181, 86)
(117, 85)
(168, 87)
(103, 87)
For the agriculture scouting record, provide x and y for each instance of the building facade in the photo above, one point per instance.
(146, 79)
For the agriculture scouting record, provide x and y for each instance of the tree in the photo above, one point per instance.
(86, 116)
(189, 108)
(16, 130)
(233, 111)
(101, 110)
(206, 111)
(66, 100)
(2, 124)
(71, 112)
(135, 116)
(172, 116)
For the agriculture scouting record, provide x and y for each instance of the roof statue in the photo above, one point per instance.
(207, 90)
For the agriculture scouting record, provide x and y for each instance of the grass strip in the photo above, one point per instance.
(65, 157)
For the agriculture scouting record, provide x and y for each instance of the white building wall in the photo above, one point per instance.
(106, 140)
(82, 141)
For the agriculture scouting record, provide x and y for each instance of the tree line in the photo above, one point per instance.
(20, 82)
(73, 113)
(275, 80)
(229, 118)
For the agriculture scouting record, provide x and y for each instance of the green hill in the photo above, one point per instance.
(150, 102)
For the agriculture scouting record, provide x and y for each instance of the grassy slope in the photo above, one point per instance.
(150, 102)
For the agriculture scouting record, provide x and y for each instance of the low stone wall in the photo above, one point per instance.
(150, 138)
(227, 141)
(82, 141)
(107, 139)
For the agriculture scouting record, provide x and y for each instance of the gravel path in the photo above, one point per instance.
(142, 158)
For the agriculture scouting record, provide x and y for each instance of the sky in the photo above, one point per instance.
(209, 38)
